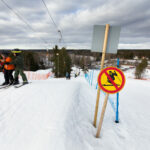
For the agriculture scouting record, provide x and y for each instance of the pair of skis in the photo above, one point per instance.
(16, 86)
(5, 86)
(20, 85)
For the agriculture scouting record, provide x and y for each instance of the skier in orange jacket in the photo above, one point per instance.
(8, 70)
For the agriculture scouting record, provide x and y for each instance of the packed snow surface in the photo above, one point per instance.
(57, 114)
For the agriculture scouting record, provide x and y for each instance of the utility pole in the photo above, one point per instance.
(58, 63)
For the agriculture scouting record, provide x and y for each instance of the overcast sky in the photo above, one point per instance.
(75, 19)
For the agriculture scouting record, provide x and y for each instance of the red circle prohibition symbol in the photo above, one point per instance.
(117, 89)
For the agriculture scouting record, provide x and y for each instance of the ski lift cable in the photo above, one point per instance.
(58, 30)
(49, 14)
(22, 19)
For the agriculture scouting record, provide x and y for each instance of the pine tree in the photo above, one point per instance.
(65, 62)
(68, 64)
(62, 62)
(55, 60)
(30, 61)
(140, 68)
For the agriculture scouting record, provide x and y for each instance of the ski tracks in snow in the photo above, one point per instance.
(78, 124)
(39, 116)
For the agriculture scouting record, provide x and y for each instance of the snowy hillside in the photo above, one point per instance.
(57, 114)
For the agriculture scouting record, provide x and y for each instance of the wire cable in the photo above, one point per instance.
(58, 30)
(49, 14)
(23, 20)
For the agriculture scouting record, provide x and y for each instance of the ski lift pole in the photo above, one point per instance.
(117, 104)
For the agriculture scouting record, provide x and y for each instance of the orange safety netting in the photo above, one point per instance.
(37, 76)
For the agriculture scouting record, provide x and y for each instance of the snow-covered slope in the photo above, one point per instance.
(57, 114)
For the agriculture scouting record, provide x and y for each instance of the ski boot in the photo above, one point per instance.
(25, 82)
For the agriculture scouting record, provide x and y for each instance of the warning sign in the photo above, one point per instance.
(111, 80)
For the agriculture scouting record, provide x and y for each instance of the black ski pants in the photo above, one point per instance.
(8, 76)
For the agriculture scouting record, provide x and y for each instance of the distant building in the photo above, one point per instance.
(135, 58)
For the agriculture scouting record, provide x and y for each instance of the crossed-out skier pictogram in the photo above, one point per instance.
(111, 80)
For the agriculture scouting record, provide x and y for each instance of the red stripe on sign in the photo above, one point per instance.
(109, 77)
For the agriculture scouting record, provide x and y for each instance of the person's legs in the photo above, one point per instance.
(24, 78)
(16, 76)
(11, 79)
(6, 77)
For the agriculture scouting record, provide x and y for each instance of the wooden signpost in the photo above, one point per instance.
(107, 41)
(102, 65)
(102, 116)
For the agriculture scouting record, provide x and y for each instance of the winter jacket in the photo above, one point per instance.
(8, 65)
(6, 62)
(18, 62)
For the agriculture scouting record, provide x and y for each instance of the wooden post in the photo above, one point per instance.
(102, 116)
(102, 65)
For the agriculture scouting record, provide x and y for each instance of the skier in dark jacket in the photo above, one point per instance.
(19, 65)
